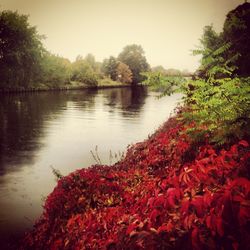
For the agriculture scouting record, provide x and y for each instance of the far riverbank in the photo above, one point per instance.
(102, 84)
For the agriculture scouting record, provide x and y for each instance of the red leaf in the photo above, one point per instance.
(208, 197)
(164, 184)
(151, 201)
(173, 194)
(155, 213)
(219, 226)
(235, 245)
(188, 221)
(234, 149)
(211, 151)
(241, 181)
(170, 226)
(131, 228)
(238, 198)
(209, 221)
(244, 215)
(195, 239)
(57, 245)
(165, 227)
(198, 204)
(185, 206)
(160, 201)
(243, 143)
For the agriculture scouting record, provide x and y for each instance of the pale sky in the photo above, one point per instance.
(166, 29)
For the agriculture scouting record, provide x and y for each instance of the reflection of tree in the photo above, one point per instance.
(112, 97)
(138, 95)
(22, 121)
(129, 100)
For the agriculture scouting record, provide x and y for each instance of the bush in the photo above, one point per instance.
(221, 107)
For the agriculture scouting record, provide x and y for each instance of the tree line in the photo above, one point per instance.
(24, 62)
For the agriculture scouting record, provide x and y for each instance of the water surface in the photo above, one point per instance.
(59, 129)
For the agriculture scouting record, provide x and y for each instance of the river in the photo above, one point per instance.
(41, 131)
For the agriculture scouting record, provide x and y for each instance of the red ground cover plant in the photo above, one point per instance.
(168, 193)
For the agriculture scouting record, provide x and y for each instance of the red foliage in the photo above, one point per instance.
(166, 194)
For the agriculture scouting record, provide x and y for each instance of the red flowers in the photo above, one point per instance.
(166, 194)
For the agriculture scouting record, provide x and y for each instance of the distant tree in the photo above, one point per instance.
(158, 68)
(166, 72)
(21, 50)
(172, 72)
(123, 73)
(90, 59)
(186, 72)
(109, 67)
(79, 58)
(83, 72)
(133, 56)
(55, 70)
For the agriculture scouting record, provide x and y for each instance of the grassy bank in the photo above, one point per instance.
(167, 193)
(103, 83)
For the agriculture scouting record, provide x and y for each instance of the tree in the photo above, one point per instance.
(166, 72)
(237, 31)
(133, 56)
(109, 67)
(21, 50)
(218, 98)
(90, 59)
(55, 70)
(123, 73)
(173, 72)
(159, 69)
(83, 72)
(186, 72)
(209, 43)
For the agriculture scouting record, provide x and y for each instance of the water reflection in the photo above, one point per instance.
(40, 130)
(22, 122)
(126, 99)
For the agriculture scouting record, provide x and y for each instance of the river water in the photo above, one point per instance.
(41, 131)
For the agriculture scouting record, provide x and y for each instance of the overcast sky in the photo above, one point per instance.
(166, 29)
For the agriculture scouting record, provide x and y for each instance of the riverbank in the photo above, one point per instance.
(102, 84)
(167, 193)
